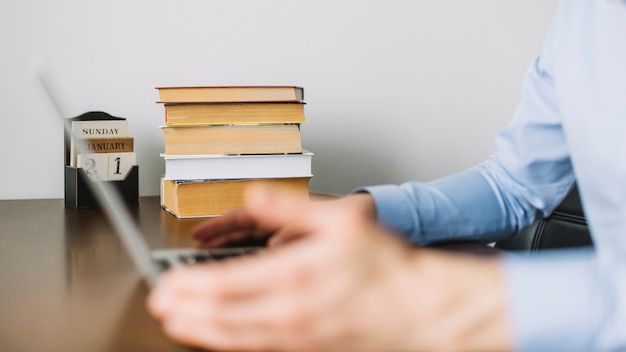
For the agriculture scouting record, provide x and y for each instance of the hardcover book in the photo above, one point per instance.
(230, 114)
(232, 139)
(209, 198)
(215, 166)
(233, 94)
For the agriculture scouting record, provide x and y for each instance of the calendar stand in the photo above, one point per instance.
(77, 189)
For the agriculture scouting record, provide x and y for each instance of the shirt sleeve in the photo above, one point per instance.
(527, 176)
(567, 300)
(464, 206)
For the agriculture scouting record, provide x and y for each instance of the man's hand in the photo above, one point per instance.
(347, 285)
(240, 224)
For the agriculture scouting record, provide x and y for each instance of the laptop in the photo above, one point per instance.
(149, 263)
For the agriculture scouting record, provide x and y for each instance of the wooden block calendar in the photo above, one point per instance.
(109, 157)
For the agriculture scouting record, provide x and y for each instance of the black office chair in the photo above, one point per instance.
(565, 227)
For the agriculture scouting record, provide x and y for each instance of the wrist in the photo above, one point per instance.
(364, 203)
(462, 302)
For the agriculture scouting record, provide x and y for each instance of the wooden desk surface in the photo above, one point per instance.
(66, 284)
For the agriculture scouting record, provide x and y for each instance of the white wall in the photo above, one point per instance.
(395, 90)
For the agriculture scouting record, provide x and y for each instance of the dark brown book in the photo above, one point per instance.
(232, 94)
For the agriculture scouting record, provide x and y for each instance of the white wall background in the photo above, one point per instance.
(395, 90)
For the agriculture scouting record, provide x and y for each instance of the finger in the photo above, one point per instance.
(220, 241)
(247, 322)
(232, 279)
(290, 215)
(234, 238)
(199, 332)
(234, 312)
(273, 208)
(254, 324)
(245, 223)
(234, 220)
(234, 226)
(285, 235)
(201, 298)
(250, 311)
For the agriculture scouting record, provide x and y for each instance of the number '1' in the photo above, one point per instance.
(117, 166)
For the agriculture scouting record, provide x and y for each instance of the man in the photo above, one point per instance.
(349, 283)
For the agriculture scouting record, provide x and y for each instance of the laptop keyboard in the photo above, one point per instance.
(162, 264)
(207, 257)
(167, 259)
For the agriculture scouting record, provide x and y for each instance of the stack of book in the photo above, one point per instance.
(220, 139)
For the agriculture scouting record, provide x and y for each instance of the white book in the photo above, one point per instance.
(228, 167)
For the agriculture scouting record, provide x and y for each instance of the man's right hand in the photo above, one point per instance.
(238, 225)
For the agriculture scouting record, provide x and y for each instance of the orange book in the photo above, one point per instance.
(210, 198)
(232, 139)
(233, 113)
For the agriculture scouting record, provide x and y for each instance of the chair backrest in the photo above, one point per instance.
(565, 227)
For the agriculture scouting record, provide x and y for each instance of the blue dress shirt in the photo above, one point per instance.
(570, 126)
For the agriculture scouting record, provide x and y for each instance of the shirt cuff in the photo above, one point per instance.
(393, 208)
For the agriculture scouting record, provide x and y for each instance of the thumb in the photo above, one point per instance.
(273, 206)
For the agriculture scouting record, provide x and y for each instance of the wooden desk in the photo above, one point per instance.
(66, 283)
